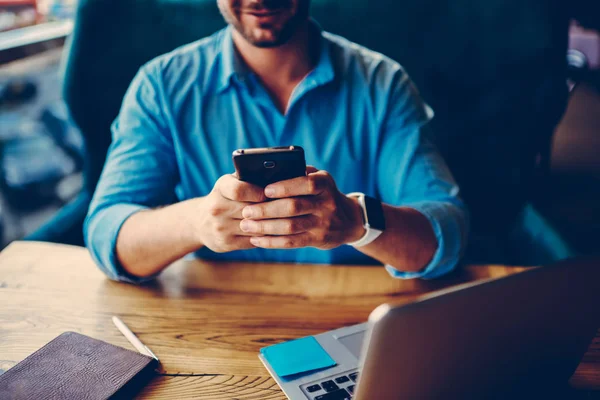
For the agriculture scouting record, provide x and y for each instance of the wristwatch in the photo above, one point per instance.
(373, 219)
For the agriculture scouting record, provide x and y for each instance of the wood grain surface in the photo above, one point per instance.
(205, 321)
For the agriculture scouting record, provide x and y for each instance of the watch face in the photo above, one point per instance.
(375, 215)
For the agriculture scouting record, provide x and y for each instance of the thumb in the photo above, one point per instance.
(310, 169)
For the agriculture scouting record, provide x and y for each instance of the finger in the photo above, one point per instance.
(281, 208)
(310, 169)
(312, 184)
(282, 242)
(225, 208)
(233, 189)
(283, 226)
(240, 243)
(237, 229)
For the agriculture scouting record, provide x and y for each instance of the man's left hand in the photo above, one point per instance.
(308, 211)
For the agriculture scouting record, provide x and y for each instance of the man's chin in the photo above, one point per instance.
(267, 40)
(267, 44)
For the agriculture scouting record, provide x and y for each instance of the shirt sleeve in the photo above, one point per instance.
(412, 173)
(140, 172)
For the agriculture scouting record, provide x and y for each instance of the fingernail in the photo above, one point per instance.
(247, 212)
(255, 241)
(269, 191)
(245, 226)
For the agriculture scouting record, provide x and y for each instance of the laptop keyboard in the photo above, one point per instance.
(340, 394)
(340, 387)
(329, 386)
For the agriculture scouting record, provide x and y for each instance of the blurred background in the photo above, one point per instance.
(41, 150)
(515, 85)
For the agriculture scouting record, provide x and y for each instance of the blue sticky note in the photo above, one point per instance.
(297, 356)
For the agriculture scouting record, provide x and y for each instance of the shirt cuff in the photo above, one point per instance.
(449, 227)
(102, 229)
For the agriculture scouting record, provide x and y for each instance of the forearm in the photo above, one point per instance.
(151, 240)
(408, 242)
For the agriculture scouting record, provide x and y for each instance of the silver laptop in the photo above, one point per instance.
(488, 339)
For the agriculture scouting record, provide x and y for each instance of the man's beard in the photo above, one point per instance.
(281, 35)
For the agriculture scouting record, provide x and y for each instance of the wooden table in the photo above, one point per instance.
(205, 321)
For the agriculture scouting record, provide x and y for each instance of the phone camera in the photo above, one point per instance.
(269, 164)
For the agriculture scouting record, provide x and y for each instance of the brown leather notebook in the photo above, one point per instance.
(74, 366)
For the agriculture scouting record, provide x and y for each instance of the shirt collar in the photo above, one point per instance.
(231, 64)
(233, 67)
(323, 72)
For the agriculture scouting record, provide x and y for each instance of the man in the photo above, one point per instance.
(271, 78)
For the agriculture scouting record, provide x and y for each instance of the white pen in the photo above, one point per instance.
(137, 343)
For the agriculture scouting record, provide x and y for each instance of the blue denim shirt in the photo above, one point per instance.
(357, 115)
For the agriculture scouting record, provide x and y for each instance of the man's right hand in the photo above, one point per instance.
(151, 240)
(221, 212)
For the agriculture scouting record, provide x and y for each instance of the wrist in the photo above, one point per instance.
(193, 228)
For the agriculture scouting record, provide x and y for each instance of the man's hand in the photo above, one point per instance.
(221, 213)
(308, 211)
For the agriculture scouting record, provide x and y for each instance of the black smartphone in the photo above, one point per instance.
(263, 166)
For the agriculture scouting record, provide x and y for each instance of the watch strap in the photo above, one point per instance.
(370, 233)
